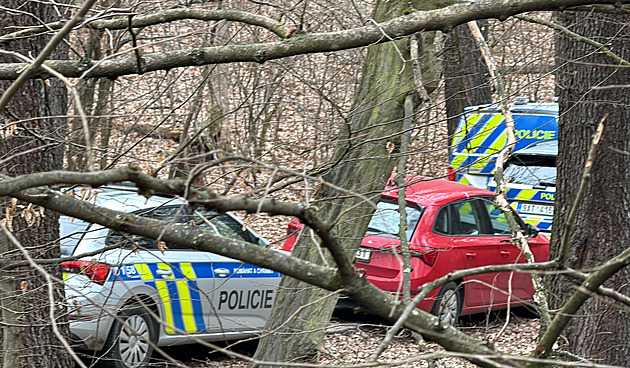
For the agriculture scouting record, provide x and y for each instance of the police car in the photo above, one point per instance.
(131, 293)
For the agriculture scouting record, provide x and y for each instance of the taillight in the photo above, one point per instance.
(451, 174)
(294, 227)
(427, 255)
(292, 231)
(97, 272)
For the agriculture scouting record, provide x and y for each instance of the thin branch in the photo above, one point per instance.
(584, 292)
(441, 19)
(166, 16)
(500, 198)
(589, 41)
(35, 66)
(613, 294)
(565, 247)
(51, 296)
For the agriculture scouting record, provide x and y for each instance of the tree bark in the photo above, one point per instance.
(466, 78)
(32, 143)
(600, 330)
(362, 164)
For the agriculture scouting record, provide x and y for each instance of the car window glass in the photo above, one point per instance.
(386, 220)
(177, 214)
(442, 225)
(220, 224)
(498, 220)
(468, 218)
(71, 231)
(224, 225)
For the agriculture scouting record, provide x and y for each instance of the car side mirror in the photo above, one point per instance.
(531, 231)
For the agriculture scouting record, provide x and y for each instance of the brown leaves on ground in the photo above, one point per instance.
(352, 343)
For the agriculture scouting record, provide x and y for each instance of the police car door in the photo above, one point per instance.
(181, 276)
(244, 293)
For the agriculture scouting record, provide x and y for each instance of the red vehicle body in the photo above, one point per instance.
(451, 227)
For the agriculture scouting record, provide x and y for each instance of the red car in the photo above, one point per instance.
(450, 227)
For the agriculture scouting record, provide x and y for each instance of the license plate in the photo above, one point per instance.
(363, 255)
(539, 209)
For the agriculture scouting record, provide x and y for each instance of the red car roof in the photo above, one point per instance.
(428, 191)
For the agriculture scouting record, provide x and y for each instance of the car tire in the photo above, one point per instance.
(448, 304)
(127, 344)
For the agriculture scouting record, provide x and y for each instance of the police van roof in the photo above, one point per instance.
(531, 107)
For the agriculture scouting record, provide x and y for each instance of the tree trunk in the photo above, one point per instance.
(600, 330)
(37, 113)
(361, 164)
(466, 78)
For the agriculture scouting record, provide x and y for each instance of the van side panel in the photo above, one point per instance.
(480, 135)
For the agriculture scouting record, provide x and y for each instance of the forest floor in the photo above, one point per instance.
(352, 339)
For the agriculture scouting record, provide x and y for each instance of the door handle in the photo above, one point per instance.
(164, 273)
(221, 272)
(504, 253)
(471, 255)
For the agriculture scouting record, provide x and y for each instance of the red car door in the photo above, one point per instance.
(519, 284)
(472, 243)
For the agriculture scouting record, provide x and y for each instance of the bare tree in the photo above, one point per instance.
(32, 140)
(593, 87)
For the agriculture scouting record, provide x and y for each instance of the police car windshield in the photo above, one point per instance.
(531, 170)
(386, 220)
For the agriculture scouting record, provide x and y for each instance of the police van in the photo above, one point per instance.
(126, 293)
(480, 135)
(530, 170)
(530, 177)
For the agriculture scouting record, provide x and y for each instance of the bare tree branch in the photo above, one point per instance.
(166, 16)
(441, 19)
(32, 68)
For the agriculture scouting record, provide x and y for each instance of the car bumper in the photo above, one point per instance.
(90, 333)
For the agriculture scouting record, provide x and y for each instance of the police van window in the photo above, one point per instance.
(531, 170)
(386, 220)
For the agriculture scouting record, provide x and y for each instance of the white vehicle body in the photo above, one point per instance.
(187, 293)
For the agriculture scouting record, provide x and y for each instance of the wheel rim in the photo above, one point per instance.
(449, 307)
(133, 341)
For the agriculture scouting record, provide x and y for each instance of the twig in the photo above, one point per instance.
(134, 44)
(589, 41)
(565, 247)
(584, 292)
(51, 297)
(32, 69)
(500, 199)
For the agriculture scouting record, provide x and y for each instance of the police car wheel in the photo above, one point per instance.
(448, 304)
(128, 344)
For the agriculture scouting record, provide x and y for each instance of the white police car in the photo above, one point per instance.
(137, 292)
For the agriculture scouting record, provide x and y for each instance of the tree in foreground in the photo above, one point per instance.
(593, 87)
(32, 141)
